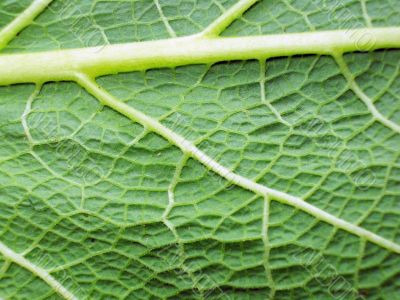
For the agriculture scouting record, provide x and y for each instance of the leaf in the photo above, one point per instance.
(199, 149)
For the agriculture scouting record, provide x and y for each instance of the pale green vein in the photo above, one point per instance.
(262, 92)
(39, 272)
(358, 267)
(189, 149)
(170, 30)
(205, 47)
(365, 13)
(171, 195)
(110, 59)
(24, 19)
(267, 246)
(171, 226)
(51, 171)
(363, 97)
(27, 111)
(304, 15)
(221, 23)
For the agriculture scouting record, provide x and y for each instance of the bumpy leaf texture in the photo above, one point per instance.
(275, 177)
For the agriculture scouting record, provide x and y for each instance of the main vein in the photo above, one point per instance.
(189, 149)
(96, 61)
(41, 273)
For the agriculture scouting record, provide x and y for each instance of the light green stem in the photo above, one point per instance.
(110, 59)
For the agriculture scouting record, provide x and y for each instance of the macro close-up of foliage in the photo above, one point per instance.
(200, 149)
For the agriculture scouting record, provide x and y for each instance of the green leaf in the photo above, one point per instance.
(209, 149)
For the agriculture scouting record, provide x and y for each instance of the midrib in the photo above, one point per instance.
(197, 49)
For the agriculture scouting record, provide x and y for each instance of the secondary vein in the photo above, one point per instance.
(170, 30)
(189, 149)
(24, 19)
(230, 15)
(364, 97)
(41, 273)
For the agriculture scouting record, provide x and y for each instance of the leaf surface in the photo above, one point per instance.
(199, 176)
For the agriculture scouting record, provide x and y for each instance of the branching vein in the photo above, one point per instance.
(26, 112)
(220, 24)
(189, 149)
(367, 100)
(24, 19)
(262, 92)
(365, 13)
(170, 30)
(41, 273)
(267, 247)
